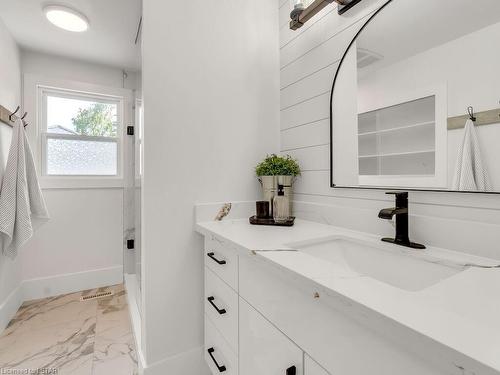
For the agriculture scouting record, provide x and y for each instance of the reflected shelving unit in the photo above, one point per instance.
(399, 140)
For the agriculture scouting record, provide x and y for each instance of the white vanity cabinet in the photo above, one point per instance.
(259, 321)
(221, 307)
(264, 350)
(238, 338)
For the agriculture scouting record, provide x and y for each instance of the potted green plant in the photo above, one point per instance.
(277, 170)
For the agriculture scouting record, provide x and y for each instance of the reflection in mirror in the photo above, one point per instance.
(401, 94)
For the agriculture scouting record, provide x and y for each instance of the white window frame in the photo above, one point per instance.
(34, 88)
(98, 98)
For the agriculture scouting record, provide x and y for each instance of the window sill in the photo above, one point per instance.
(81, 182)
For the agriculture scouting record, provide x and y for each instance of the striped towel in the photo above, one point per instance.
(470, 171)
(22, 206)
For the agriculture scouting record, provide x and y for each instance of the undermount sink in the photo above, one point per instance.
(410, 270)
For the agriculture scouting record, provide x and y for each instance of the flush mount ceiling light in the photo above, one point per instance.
(66, 18)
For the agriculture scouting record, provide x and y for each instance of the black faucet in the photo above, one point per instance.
(401, 212)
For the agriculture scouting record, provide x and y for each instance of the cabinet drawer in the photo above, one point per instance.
(221, 305)
(218, 355)
(264, 350)
(222, 260)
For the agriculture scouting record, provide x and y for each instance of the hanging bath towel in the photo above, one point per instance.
(470, 171)
(22, 207)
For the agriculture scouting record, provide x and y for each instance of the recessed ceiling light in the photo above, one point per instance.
(66, 18)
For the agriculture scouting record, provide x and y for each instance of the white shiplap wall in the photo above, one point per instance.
(308, 60)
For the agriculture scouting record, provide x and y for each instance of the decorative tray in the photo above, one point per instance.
(270, 221)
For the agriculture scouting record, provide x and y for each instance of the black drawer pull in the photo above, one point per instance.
(291, 370)
(220, 368)
(212, 256)
(220, 311)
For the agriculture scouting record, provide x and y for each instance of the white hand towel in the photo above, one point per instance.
(22, 206)
(470, 171)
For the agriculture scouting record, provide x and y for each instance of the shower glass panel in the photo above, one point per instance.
(137, 194)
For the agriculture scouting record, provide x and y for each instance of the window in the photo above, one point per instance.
(80, 134)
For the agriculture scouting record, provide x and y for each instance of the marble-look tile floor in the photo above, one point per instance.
(62, 335)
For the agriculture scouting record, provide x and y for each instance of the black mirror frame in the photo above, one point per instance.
(332, 184)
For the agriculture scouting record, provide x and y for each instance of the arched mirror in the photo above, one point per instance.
(406, 93)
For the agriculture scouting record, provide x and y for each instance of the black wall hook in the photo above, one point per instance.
(470, 111)
(22, 118)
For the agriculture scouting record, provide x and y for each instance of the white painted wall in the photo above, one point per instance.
(10, 70)
(210, 83)
(10, 97)
(84, 234)
(75, 70)
(309, 58)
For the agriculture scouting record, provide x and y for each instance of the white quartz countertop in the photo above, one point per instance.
(461, 312)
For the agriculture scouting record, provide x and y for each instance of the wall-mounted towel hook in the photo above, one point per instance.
(13, 113)
(22, 118)
(470, 111)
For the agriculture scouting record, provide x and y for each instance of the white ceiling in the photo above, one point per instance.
(109, 40)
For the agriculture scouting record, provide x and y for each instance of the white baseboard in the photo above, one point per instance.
(191, 362)
(55, 285)
(71, 282)
(9, 307)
